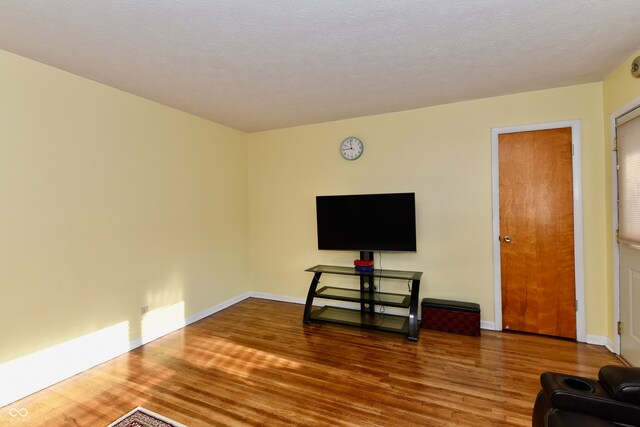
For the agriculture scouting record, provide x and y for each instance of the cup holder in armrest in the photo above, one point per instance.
(553, 382)
(572, 393)
(578, 384)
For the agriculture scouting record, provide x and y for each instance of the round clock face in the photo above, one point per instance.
(351, 148)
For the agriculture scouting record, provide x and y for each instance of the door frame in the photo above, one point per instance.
(615, 246)
(578, 235)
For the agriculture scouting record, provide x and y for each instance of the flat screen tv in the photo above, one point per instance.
(367, 222)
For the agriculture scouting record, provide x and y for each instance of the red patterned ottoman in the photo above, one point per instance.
(451, 316)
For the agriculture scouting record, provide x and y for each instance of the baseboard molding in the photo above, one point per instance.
(603, 341)
(216, 308)
(611, 346)
(25, 375)
(36, 371)
(275, 297)
(490, 326)
(596, 339)
(31, 373)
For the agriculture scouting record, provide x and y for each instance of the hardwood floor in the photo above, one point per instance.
(256, 364)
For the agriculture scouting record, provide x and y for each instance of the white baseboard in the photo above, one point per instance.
(485, 324)
(603, 341)
(28, 374)
(25, 375)
(611, 346)
(216, 308)
(597, 340)
(275, 297)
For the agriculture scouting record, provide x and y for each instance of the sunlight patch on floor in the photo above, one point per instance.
(239, 360)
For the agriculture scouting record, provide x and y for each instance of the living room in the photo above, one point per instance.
(124, 219)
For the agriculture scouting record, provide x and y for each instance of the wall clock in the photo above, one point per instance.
(351, 148)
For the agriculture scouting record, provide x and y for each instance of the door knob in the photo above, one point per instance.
(507, 239)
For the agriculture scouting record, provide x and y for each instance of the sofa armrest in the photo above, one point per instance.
(622, 382)
(588, 396)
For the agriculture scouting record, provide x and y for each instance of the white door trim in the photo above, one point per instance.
(615, 257)
(578, 236)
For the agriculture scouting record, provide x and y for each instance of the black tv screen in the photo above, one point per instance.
(367, 222)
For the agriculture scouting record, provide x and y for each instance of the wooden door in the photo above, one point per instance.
(536, 226)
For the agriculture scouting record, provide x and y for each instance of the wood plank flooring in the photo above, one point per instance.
(256, 364)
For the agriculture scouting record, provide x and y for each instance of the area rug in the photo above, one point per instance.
(141, 417)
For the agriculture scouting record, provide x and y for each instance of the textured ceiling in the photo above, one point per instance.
(259, 64)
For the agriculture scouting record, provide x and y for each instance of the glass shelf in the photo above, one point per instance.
(345, 316)
(351, 271)
(354, 295)
(367, 316)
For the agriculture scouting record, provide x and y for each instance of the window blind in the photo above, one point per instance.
(628, 136)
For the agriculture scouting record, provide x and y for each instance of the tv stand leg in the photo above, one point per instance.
(413, 311)
(310, 295)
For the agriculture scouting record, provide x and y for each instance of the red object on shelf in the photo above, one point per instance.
(363, 263)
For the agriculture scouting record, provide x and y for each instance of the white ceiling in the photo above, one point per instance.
(264, 64)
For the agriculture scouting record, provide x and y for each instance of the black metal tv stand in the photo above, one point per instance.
(369, 298)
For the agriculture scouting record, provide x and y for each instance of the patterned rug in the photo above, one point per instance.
(141, 417)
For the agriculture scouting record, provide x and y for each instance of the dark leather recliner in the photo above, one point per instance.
(569, 400)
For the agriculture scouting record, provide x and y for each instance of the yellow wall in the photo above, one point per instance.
(443, 154)
(110, 202)
(619, 89)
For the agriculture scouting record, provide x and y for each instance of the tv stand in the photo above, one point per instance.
(368, 298)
